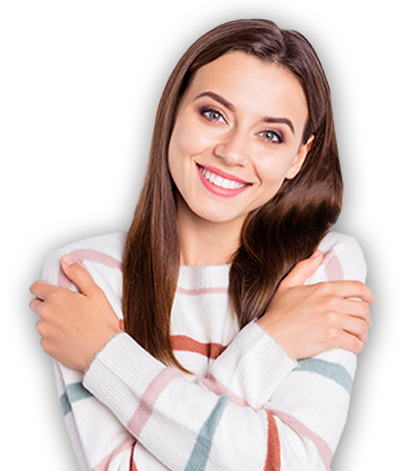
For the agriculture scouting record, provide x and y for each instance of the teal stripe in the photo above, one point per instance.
(333, 371)
(74, 392)
(201, 450)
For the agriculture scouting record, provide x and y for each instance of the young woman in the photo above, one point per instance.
(229, 340)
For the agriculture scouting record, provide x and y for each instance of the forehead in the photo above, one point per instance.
(250, 83)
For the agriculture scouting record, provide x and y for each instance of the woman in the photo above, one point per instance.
(241, 326)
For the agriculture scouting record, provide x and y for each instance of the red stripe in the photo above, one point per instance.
(183, 343)
(323, 448)
(273, 459)
(132, 465)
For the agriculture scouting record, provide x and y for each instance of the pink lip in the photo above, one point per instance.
(223, 174)
(216, 190)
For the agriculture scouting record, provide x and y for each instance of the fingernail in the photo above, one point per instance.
(316, 254)
(68, 260)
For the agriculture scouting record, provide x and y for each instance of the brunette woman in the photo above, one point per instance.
(229, 340)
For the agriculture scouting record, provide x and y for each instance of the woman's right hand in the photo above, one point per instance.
(306, 320)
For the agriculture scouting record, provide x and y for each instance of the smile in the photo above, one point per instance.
(220, 183)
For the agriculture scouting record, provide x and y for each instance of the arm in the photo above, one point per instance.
(295, 425)
(99, 440)
(236, 371)
(222, 407)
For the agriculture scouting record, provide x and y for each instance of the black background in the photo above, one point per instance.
(87, 85)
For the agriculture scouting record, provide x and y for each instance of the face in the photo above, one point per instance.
(237, 137)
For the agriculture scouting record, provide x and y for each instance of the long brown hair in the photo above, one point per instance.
(274, 237)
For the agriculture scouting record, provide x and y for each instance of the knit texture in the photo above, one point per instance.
(247, 405)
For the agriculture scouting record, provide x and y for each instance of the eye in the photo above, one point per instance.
(212, 115)
(271, 136)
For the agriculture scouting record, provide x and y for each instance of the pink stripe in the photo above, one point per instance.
(323, 448)
(90, 255)
(201, 291)
(215, 386)
(149, 398)
(273, 459)
(105, 462)
(333, 267)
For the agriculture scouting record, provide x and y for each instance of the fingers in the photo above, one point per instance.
(352, 343)
(356, 327)
(348, 327)
(35, 306)
(74, 271)
(78, 275)
(349, 289)
(359, 309)
(302, 270)
(41, 289)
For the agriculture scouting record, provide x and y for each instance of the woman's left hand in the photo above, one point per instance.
(74, 326)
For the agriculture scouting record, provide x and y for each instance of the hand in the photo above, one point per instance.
(308, 320)
(74, 326)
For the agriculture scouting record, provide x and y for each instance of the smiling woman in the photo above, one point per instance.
(215, 112)
(236, 135)
(233, 345)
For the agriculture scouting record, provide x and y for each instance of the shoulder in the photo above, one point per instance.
(343, 259)
(106, 251)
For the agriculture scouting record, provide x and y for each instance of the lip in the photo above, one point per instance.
(216, 190)
(223, 174)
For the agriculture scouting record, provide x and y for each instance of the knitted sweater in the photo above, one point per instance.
(247, 405)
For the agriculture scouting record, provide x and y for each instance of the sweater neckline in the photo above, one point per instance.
(200, 277)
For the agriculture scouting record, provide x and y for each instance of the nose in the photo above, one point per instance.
(232, 147)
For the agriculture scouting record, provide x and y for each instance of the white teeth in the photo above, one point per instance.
(221, 182)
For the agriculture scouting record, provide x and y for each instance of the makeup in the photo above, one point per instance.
(221, 183)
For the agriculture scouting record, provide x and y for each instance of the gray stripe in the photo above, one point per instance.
(333, 371)
(74, 392)
(201, 450)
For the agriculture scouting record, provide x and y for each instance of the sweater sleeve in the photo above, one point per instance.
(212, 425)
(246, 414)
(342, 260)
(99, 440)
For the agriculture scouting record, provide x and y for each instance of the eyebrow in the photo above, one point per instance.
(229, 106)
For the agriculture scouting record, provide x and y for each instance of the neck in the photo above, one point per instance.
(204, 242)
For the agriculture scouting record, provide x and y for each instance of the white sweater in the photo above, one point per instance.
(248, 406)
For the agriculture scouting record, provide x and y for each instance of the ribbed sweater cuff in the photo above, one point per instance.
(253, 365)
(119, 375)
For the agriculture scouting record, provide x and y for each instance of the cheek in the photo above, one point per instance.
(271, 174)
(179, 160)
(190, 137)
(273, 171)
(176, 150)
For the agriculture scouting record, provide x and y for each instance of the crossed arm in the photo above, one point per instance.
(304, 320)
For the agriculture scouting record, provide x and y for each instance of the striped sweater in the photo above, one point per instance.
(247, 405)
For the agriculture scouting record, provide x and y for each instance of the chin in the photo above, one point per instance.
(219, 217)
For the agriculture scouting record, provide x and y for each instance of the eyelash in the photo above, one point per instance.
(206, 111)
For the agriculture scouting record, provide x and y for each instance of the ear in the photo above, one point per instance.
(300, 158)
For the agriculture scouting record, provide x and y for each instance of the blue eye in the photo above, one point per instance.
(271, 136)
(212, 114)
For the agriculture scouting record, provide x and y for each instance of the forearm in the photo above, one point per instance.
(181, 422)
(250, 368)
